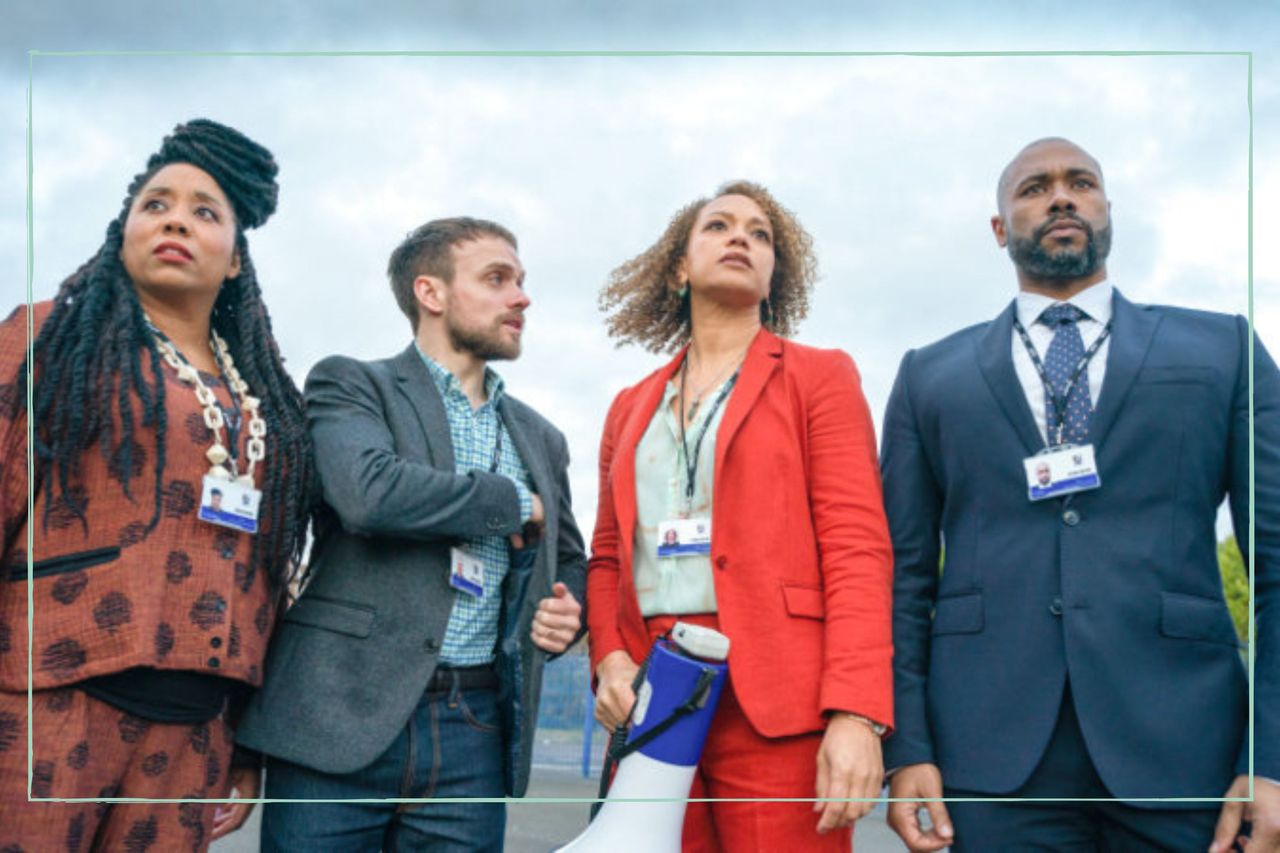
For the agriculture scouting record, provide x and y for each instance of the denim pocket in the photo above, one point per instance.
(469, 716)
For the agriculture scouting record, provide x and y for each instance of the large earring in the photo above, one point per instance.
(683, 291)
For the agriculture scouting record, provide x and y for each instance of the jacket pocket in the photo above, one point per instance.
(959, 614)
(64, 563)
(807, 601)
(1190, 617)
(343, 617)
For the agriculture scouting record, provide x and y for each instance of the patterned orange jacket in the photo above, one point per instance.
(107, 593)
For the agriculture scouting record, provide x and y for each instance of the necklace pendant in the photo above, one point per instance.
(693, 408)
(216, 455)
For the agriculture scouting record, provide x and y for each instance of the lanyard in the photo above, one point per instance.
(1059, 402)
(691, 464)
(497, 447)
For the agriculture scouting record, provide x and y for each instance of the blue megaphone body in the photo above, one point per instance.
(683, 678)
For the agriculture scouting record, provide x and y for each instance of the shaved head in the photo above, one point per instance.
(1007, 177)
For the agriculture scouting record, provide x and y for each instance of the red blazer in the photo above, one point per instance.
(800, 548)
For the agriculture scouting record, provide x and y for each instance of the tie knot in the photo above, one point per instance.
(1061, 314)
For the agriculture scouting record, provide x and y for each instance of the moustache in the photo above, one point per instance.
(1066, 217)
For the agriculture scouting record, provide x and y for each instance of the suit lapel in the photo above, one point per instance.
(1132, 329)
(415, 383)
(534, 461)
(763, 358)
(995, 360)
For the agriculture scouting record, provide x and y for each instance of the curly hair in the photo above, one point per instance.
(94, 351)
(643, 300)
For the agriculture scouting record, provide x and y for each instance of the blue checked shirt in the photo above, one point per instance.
(472, 632)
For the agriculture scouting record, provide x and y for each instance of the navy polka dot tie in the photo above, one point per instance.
(1065, 352)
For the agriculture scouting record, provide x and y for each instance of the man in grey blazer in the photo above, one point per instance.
(447, 567)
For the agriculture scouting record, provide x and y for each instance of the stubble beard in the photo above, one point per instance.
(484, 344)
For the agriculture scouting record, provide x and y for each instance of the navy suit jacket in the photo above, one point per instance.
(1116, 590)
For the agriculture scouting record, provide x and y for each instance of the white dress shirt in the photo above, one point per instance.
(1095, 302)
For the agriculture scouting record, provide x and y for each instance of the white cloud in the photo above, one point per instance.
(889, 161)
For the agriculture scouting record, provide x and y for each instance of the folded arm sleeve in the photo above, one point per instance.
(377, 492)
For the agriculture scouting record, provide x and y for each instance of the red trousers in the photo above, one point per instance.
(82, 747)
(737, 762)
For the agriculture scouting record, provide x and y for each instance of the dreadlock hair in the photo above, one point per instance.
(643, 298)
(91, 357)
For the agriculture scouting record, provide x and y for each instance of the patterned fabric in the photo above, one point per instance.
(109, 595)
(86, 748)
(1060, 362)
(472, 633)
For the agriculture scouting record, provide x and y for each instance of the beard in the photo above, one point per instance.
(485, 343)
(1064, 264)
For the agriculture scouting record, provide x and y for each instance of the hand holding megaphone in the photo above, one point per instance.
(615, 674)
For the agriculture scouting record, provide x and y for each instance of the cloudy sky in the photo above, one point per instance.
(890, 161)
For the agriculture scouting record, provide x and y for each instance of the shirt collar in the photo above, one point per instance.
(1094, 300)
(447, 384)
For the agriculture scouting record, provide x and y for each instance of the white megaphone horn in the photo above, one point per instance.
(682, 680)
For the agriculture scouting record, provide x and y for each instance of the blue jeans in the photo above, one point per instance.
(451, 747)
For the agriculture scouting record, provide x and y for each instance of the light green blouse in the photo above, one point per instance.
(681, 584)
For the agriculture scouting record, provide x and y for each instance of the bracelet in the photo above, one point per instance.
(878, 729)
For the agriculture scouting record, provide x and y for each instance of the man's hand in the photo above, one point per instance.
(1263, 813)
(850, 765)
(532, 528)
(557, 621)
(919, 782)
(614, 696)
(228, 817)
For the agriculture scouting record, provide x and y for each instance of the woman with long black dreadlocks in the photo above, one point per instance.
(172, 480)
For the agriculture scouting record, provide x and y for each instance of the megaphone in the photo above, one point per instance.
(682, 681)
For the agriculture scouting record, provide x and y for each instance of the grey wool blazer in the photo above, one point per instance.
(351, 658)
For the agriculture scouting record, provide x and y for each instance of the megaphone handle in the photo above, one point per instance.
(618, 738)
(697, 699)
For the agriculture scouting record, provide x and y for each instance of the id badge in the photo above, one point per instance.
(229, 504)
(1061, 471)
(681, 537)
(466, 572)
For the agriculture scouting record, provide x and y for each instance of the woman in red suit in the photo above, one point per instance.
(769, 446)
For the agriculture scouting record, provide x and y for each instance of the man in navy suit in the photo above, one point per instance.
(1077, 644)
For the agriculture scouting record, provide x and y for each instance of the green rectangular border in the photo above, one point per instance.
(31, 56)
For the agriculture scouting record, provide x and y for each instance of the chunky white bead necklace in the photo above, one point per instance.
(222, 465)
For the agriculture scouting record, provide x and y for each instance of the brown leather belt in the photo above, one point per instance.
(480, 677)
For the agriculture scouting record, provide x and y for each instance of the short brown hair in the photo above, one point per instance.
(642, 297)
(428, 250)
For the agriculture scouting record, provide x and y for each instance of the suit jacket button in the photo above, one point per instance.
(431, 645)
(216, 642)
(722, 561)
(1071, 518)
(214, 663)
(1056, 607)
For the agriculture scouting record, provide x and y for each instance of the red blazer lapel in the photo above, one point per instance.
(763, 358)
